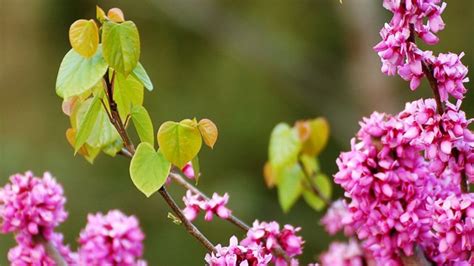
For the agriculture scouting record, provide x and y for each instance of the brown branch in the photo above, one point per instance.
(278, 251)
(189, 226)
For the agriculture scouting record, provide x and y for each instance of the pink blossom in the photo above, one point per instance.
(32, 205)
(343, 254)
(338, 218)
(454, 227)
(111, 239)
(270, 237)
(450, 74)
(238, 255)
(188, 171)
(215, 205)
(34, 255)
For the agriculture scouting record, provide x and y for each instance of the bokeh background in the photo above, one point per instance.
(245, 64)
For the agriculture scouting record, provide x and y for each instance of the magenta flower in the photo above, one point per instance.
(188, 171)
(343, 254)
(111, 239)
(338, 218)
(454, 227)
(34, 255)
(216, 205)
(238, 255)
(450, 74)
(270, 237)
(32, 205)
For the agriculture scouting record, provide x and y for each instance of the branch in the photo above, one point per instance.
(417, 259)
(279, 252)
(189, 226)
(51, 250)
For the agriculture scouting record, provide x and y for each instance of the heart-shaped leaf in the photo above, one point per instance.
(179, 142)
(148, 169)
(84, 37)
(121, 43)
(208, 131)
(142, 122)
(284, 146)
(78, 74)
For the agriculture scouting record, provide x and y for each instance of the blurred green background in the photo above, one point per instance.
(246, 65)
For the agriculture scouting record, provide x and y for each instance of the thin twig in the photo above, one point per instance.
(52, 251)
(189, 226)
(313, 186)
(278, 250)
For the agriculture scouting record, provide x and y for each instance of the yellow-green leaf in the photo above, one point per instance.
(143, 125)
(208, 131)
(140, 74)
(100, 14)
(121, 43)
(196, 168)
(323, 183)
(179, 142)
(284, 146)
(84, 37)
(148, 169)
(318, 137)
(290, 186)
(78, 74)
(128, 92)
(87, 123)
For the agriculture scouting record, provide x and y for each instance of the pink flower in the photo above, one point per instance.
(34, 255)
(188, 170)
(451, 75)
(111, 239)
(343, 254)
(454, 227)
(270, 237)
(338, 218)
(216, 205)
(32, 205)
(238, 255)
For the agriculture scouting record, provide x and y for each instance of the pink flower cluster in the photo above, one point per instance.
(31, 205)
(270, 236)
(399, 53)
(259, 247)
(454, 227)
(111, 239)
(343, 254)
(338, 218)
(386, 180)
(216, 205)
(238, 255)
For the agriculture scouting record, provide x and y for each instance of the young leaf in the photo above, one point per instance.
(289, 186)
(196, 168)
(179, 142)
(140, 74)
(143, 125)
(310, 164)
(284, 146)
(116, 15)
(84, 37)
(269, 175)
(87, 123)
(100, 14)
(121, 44)
(208, 132)
(128, 92)
(78, 74)
(318, 137)
(148, 169)
(324, 185)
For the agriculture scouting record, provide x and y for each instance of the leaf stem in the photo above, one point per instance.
(313, 186)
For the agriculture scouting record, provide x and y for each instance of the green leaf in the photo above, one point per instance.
(143, 125)
(84, 37)
(128, 92)
(121, 43)
(179, 142)
(284, 146)
(78, 74)
(148, 169)
(318, 137)
(323, 183)
(290, 186)
(140, 74)
(196, 168)
(87, 123)
(310, 164)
